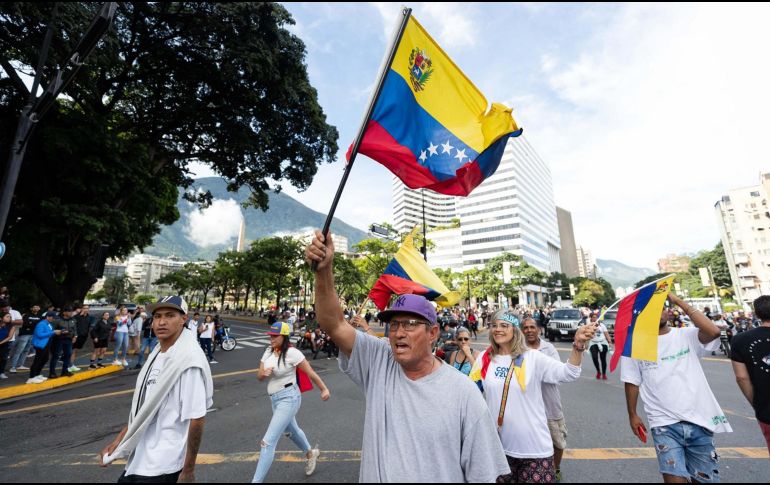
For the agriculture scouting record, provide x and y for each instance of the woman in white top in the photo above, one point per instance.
(599, 346)
(122, 321)
(279, 364)
(511, 377)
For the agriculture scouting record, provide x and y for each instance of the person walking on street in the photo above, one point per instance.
(514, 396)
(463, 359)
(282, 364)
(551, 397)
(122, 322)
(405, 438)
(149, 341)
(84, 323)
(681, 409)
(168, 409)
(600, 346)
(24, 339)
(751, 364)
(100, 335)
(7, 331)
(206, 334)
(62, 343)
(41, 342)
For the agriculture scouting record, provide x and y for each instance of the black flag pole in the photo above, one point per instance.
(388, 61)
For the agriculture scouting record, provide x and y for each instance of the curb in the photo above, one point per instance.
(24, 389)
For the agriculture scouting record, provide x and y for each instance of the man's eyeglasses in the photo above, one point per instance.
(407, 325)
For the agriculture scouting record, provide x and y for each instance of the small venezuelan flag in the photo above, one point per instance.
(408, 274)
(431, 126)
(638, 322)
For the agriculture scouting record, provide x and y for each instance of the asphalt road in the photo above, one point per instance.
(55, 437)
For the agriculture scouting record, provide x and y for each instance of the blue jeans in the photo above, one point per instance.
(23, 344)
(147, 343)
(61, 345)
(206, 346)
(121, 344)
(286, 404)
(687, 450)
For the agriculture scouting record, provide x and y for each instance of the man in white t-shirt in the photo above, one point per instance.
(193, 323)
(551, 397)
(682, 411)
(168, 409)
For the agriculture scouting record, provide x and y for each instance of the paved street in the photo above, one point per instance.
(57, 435)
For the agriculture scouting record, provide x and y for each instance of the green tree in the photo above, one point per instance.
(717, 261)
(224, 84)
(377, 254)
(590, 293)
(119, 289)
(522, 274)
(144, 299)
(349, 279)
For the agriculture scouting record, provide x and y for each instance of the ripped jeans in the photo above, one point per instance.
(286, 404)
(687, 450)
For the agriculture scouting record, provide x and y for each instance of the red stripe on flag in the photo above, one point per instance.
(388, 285)
(622, 323)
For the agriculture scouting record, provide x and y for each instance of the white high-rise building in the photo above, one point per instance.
(447, 251)
(512, 211)
(586, 263)
(407, 208)
(144, 270)
(744, 226)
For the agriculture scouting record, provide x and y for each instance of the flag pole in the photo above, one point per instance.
(387, 62)
(648, 284)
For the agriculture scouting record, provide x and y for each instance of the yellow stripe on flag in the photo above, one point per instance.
(449, 96)
(415, 266)
(645, 345)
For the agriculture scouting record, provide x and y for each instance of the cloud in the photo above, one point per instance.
(218, 224)
(654, 119)
(450, 24)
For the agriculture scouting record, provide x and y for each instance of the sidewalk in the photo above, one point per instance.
(11, 387)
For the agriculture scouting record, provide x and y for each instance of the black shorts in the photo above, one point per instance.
(80, 342)
(101, 344)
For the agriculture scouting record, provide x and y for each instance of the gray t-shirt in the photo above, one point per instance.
(435, 429)
(551, 396)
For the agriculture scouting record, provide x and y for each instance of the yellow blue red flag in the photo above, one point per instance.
(638, 322)
(431, 126)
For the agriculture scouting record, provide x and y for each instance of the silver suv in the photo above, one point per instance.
(609, 321)
(564, 323)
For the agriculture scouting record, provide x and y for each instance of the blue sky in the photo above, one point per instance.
(646, 114)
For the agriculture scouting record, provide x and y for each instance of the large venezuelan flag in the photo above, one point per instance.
(638, 322)
(430, 126)
(408, 273)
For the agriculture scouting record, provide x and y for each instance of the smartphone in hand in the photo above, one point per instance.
(642, 434)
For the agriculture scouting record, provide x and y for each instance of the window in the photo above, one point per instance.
(755, 194)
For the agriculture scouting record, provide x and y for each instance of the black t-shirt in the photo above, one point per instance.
(752, 349)
(30, 322)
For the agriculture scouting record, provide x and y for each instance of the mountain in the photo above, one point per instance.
(285, 216)
(619, 274)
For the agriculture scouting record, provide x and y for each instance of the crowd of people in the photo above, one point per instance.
(501, 417)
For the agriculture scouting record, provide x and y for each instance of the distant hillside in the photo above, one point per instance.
(619, 274)
(284, 216)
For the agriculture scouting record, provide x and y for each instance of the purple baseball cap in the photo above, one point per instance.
(414, 304)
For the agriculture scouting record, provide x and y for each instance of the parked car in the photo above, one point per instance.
(130, 306)
(609, 322)
(564, 323)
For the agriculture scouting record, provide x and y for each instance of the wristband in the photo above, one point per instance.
(579, 349)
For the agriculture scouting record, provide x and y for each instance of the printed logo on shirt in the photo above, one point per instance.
(647, 366)
(152, 379)
(766, 360)
(501, 372)
(717, 420)
(759, 361)
(682, 353)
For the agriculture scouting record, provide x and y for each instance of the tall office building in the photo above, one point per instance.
(407, 208)
(512, 211)
(144, 270)
(568, 250)
(744, 226)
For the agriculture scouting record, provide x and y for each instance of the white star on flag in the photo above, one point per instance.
(460, 155)
(447, 147)
(433, 149)
(423, 156)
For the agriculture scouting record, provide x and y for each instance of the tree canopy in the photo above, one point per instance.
(223, 84)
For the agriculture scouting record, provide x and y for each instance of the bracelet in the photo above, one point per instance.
(579, 349)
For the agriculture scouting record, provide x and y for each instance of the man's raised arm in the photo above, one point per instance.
(327, 303)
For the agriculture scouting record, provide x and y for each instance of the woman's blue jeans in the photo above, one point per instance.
(286, 404)
(121, 344)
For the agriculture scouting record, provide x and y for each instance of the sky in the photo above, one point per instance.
(645, 114)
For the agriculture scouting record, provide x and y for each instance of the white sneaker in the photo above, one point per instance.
(13, 370)
(125, 363)
(3, 376)
(213, 362)
(73, 369)
(33, 380)
(312, 461)
(21, 367)
(116, 362)
(42, 378)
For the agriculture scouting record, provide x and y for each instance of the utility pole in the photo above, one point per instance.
(37, 107)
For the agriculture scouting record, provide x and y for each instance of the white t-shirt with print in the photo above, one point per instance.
(282, 374)
(600, 337)
(675, 389)
(525, 431)
(208, 329)
(163, 446)
(123, 323)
